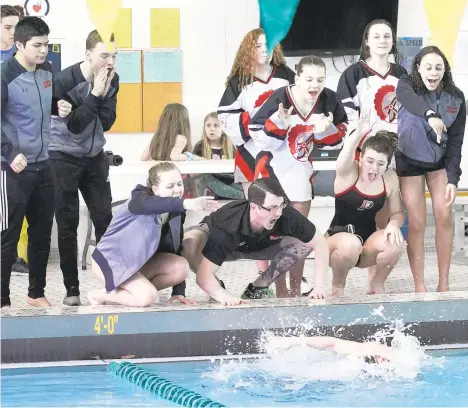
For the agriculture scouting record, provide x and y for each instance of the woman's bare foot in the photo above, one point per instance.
(443, 287)
(95, 297)
(39, 302)
(337, 291)
(375, 290)
(420, 288)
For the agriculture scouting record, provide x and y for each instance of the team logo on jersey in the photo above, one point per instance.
(300, 139)
(366, 205)
(262, 98)
(385, 103)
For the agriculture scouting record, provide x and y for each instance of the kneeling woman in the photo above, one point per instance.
(140, 253)
(361, 190)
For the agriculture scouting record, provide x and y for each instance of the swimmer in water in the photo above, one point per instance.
(370, 351)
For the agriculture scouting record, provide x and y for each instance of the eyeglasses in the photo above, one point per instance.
(275, 208)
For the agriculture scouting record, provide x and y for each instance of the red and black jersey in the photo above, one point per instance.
(286, 146)
(238, 106)
(361, 88)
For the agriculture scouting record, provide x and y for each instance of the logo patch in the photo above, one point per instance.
(262, 98)
(366, 205)
(451, 109)
(300, 139)
(275, 237)
(385, 103)
(47, 84)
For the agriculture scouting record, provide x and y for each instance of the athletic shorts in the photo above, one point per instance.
(265, 254)
(405, 168)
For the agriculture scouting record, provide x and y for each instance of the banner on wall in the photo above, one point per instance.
(408, 47)
(36, 8)
(444, 23)
(276, 17)
(103, 14)
(54, 57)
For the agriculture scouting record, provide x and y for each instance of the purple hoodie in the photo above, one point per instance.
(134, 236)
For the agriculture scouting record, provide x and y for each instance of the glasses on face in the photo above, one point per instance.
(274, 208)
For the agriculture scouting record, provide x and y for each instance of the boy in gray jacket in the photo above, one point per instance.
(78, 161)
(27, 104)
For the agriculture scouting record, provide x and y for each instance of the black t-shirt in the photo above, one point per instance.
(216, 153)
(230, 231)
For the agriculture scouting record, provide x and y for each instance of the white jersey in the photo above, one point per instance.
(236, 109)
(286, 146)
(361, 88)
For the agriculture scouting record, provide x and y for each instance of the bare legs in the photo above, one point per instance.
(436, 182)
(163, 270)
(346, 251)
(413, 192)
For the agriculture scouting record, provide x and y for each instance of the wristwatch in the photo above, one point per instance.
(431, 115)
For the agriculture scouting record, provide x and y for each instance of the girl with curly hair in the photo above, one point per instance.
(254, 76)
(431, 126)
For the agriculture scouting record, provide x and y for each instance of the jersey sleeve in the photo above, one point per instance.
(268, 130)
(332, 138)
(347, 93)
(233, 118)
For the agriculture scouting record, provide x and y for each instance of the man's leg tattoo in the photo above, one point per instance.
(281, 263)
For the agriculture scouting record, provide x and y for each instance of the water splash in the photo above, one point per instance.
(301, 365)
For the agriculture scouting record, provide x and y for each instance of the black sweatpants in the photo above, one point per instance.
(90, 176)
(30, 194)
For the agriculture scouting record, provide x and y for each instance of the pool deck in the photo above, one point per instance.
(163, 330)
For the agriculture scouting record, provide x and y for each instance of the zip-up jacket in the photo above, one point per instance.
(7, 153)
(418, 141)
(27, 104)
(135, 234)
(81, 133)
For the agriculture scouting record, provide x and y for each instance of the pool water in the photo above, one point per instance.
(296, 378)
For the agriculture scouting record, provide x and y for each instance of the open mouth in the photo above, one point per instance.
(372, 176)
(433, 82)
(313, 94)
(271, 222)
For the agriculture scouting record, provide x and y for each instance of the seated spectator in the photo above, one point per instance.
(264, 227)
(140, 253)
(172, 141)
(172, 138)
(361, 190)
(215, 145)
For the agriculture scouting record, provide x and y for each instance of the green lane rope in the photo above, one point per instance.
(161, 387)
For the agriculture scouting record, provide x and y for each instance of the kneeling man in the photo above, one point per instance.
(264, 227)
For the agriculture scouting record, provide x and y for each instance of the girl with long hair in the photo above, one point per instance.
(254, 76)
(215, 145)
(431, 127)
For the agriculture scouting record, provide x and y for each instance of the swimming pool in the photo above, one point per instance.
(296, 378)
